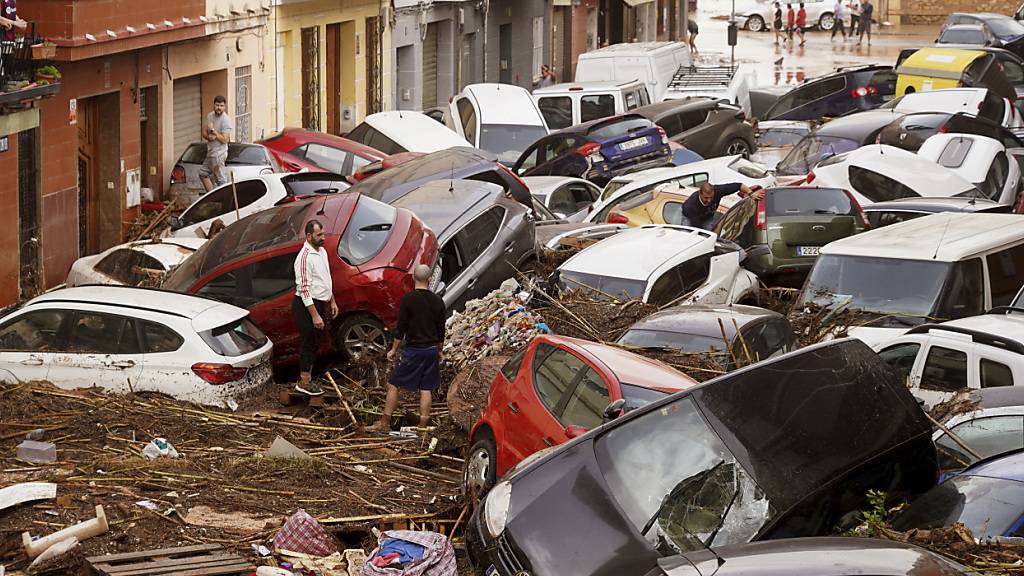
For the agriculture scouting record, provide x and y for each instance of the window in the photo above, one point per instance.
(476, 236)
(467, 118)
(32, 332)
(944, 370)
(386, 145)
(330, 159)
(803, 95)
(223, 287)
(358, 162)
(596, 106)
(808, 202)
(158, 338)
(243, 102)
(769, 339)
(1013, 71)
(901, 357)
(1005, 274)
(237, 338)
(563, 202)
(955, 152)
(554, 372)
(682, 279)
(222, 200)
(273, 276)
(992, 108)
(557, 111)
(876, 187)
(585, 406)
(964, 292)
(996, 177)
(986, 436)
(511, 368)
(672, 213)
(995, 374)
(618, 127)
(692, 118)
(671, 125)
(632, 100)
(129, 266)
(879, 218)
(367, 231)
(93, 333)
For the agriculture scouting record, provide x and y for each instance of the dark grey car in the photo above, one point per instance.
(706, 126)
(483, 236)
(882, 214)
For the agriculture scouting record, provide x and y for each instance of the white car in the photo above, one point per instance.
(572, 103)
(981, 160)
(500, 118)
(132, 263)
(992, 425)
(979, 102)
(653, 63)
(243, 161)
(660, 264)
(723, 170)
(878, 172)
(127, 339)
(757, 15)
(939, 360)
(405, 131)
(253, 195)
(567, 197)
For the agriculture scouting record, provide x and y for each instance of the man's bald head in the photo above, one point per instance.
(421, 274)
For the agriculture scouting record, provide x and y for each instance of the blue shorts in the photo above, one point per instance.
(416, 369)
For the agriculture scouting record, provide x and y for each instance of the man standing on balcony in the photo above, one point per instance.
(9, 19)
(217, 133)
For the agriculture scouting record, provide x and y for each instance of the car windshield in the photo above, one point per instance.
(748, 168)
(972, 35)
(677, 483)
(810, 151)
(618, 128)
(643, 338)
(988, 506)
(602, 287)
(1004, 27)
(509, 141)
(780, 137)
(367, 231)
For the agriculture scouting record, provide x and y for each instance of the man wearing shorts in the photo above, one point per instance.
(418, 368)
(217, 133)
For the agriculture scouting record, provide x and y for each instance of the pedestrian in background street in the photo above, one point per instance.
(313, 304)
(547, 77)
(777, 24)
(691, 27)
(854, 6)
(867, 10)
(217, 133)
(839, 17)
(419, 339)
(801, 23)
(790, 22)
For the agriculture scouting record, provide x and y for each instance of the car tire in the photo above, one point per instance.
(359, 334)
(737, 146)
(478, 475)
(755, 23)
(826, 21)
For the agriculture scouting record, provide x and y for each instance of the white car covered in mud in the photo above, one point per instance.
(660, 264)
(127, 339)
(133, 263)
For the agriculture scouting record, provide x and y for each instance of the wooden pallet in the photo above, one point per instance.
(199, 560)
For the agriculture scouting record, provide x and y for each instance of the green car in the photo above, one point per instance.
(783, 232)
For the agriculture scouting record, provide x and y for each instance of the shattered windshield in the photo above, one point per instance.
(811, 150)
(677, 482)
(602, 287)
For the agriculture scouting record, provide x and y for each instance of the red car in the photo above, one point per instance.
(372, 248)
(379, 166)
(553, 390)
(295, 149)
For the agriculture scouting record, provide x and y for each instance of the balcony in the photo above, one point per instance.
(21, 83)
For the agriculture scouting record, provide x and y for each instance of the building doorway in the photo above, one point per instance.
(505, 54)
(31, 281)
(99, 173)
(149, 133)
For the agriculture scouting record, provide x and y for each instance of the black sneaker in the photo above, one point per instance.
(312, 389)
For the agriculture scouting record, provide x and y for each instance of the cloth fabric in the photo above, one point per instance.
(696, 211)
(839, 27)
(214, 166)
(313, 275)
(778, 18)
(801, 18)
(706, 224)
(839, 11)
(691, 26)
(404, 550)
(10, 11)
(421, 319)
(417, 369)
(438, 557)
(865, 17)
(309, 336)
(222, 124)
(790, 17)
(302, 533)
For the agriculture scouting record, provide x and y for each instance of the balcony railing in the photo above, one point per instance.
(19, 85)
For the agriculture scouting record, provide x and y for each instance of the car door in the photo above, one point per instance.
(28, 343)
(583, 408)
(467, 119)
(946, 369)
(160, 344)
(486, 260)
(101, 349)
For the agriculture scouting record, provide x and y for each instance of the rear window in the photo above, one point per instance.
(808, 201)
(235, 339)
(963, 36)
(310, 187)
(619, 128)
(246, 155)
(878, 187)
(367, 232)
(810, 151)
(194, 154)
(692, 343)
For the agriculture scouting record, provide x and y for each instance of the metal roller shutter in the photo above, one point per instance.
(188, 113)
(430, 67)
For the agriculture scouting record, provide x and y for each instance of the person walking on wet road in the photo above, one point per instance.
(313, 304)
(867, 10)
(419, 338)
(839, 17)
(801, 23)
(699, 209)
(854, 17)
(777, 24)
(790, 22)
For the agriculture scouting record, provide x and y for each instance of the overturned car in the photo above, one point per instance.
(784, 448)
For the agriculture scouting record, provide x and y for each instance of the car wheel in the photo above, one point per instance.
(827, 21)
(755, 23)
(479, 473)
(362, 334)
(737, 146)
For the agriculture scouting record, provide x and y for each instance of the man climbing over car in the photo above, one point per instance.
(699, 209)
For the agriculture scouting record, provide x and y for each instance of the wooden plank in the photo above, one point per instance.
(233, 569)
(168, 565)
(147, 554)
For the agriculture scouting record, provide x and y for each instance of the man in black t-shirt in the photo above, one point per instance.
(699, 209)
(421, 329)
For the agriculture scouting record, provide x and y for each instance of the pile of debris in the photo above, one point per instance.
(574, 313)
(957, 542)
(498, 323)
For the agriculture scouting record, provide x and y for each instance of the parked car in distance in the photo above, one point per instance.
(727, 453)
(990, 421)
(708, 127)
(910, 132)
(500, 118)
(565, 105)
(834, 137)
(749, 333)
(783, 232)
(252, 195)
(483, 236)
(836, 94)
(971, 34)
(126, 339)
(132, 263)
(987, 498)
(404, 131)
(982, 102)
(882, 214)
(326, 151)
(659, 264)
(553, 390)
(372, 248)
(980, 160)
(775, 138)
(654, 63)
(243, 161)
(389, 161)
(757, 16)
(567, 197)
(1005, 30)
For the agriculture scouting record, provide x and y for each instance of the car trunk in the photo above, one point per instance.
(803, 235)
(637, 143)
(801, 220)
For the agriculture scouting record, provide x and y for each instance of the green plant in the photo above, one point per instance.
(48, 70)
(876, 518)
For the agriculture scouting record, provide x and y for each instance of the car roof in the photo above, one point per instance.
(940, 204)
(1003, 326)
(504, 104)
(858, 125)
(945, 100)
(652, 175)
(414, 130)
(651, 111)
(631, 368)
(636, 253)
(455, 161)
(946, 237)
(441, 203)
(975, 166)
(702, 319)
(905, 167)
(166, 250)
(544, 185)
(964, 27)
(625, 48)
(587, 86)
(1008, 467)
(587, 126)
(1001, 397)
(301, 135)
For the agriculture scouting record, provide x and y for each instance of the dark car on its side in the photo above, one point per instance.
(910, 131)
(780, 449)
(889, 212)
(847, 90)
(709, 127)
(835, 137)
(598, 150)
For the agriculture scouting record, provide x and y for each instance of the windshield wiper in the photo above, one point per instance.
(664, 503)
(721, 519)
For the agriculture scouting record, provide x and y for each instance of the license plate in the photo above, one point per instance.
(491, 571)
(632, 144)
(807, 250)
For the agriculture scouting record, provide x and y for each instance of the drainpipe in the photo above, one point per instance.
(487, 13)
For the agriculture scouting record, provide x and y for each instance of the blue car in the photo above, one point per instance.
(842, 92)
(598, 150)
(988, 498)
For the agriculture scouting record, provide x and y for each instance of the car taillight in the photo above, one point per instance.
(860, 211)
(617, 218)
(810, 177)
(588, 149)
(762, 214)
(862, 91)
(664, 137)
(218, 373)
(178, 174)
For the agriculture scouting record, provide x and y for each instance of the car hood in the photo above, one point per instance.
(875, 336)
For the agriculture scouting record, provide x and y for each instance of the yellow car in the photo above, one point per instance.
(663, 205)
(930, 69)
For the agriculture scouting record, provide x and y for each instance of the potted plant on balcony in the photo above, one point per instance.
(44, 50)
(47, 75)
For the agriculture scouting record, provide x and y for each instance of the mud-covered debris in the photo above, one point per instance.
(467, 393)
(498, 323)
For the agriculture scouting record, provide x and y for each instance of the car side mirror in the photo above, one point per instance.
(574, 431)
(174, 222)
(614, 409)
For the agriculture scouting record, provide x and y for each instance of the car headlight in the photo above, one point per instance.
(496, 508)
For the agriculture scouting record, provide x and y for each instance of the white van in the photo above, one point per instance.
(499, 118)
(569, 104)
(654, 63)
